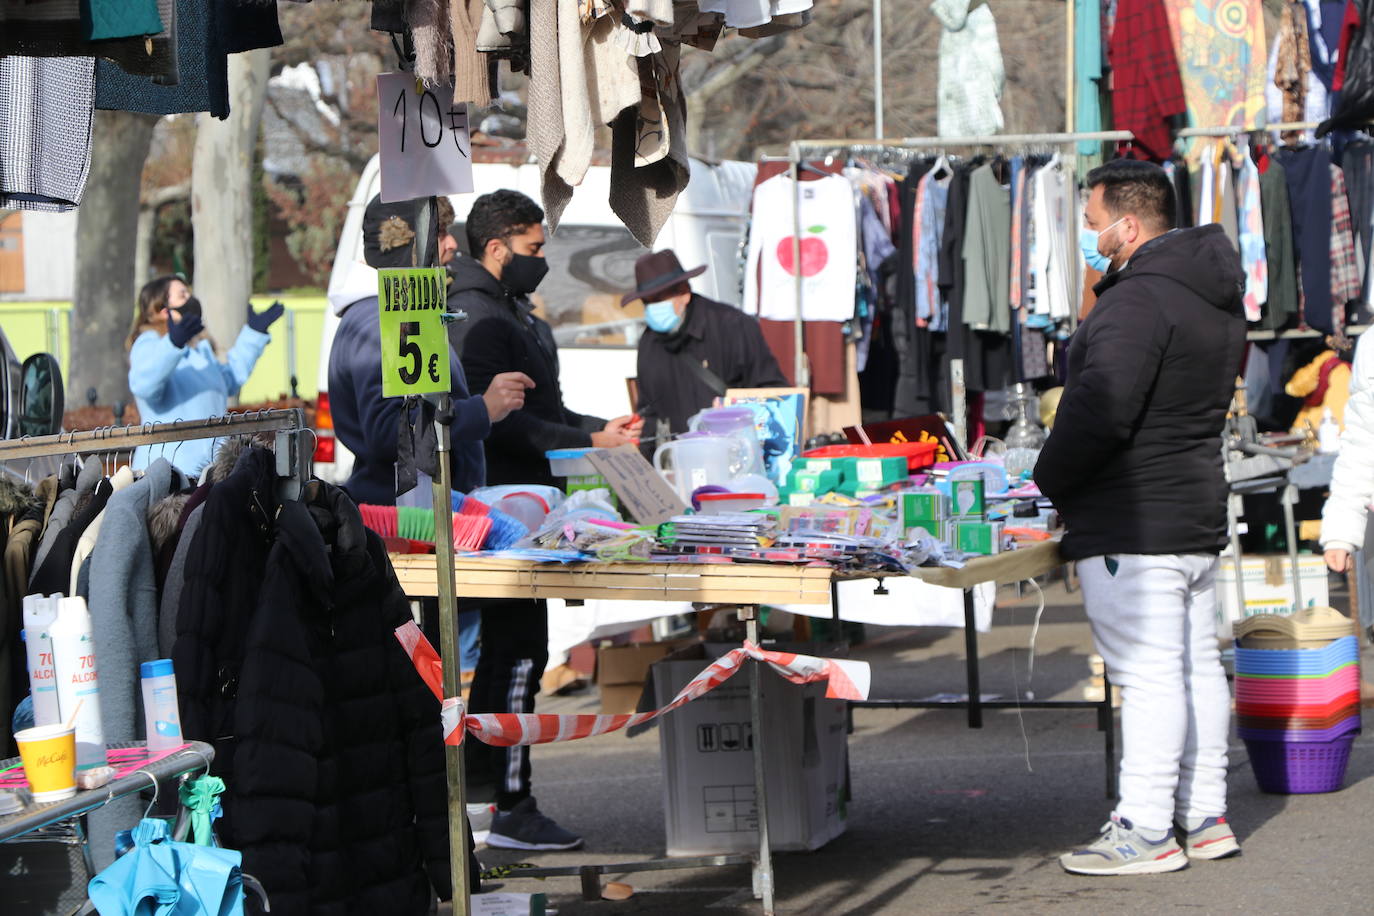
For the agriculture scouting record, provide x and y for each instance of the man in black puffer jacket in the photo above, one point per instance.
(1134, 466)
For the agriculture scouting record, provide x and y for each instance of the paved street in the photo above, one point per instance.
(948, 820)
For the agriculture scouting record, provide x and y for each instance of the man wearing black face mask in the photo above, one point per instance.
(501, 334)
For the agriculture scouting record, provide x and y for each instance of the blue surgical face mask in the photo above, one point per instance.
(1087, 240)
(662, 317)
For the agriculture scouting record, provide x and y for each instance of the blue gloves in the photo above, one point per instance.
(261, 321)
(181, 332)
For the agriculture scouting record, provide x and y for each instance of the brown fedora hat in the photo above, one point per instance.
(657, 272)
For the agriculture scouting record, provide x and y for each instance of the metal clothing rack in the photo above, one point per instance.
(293, 463)
(797, 151)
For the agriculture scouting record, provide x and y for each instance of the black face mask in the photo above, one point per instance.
(524, 273)
(189, 308)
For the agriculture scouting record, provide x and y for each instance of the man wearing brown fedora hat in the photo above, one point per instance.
(695, 347)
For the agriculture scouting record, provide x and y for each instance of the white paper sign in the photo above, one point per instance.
(424, 141)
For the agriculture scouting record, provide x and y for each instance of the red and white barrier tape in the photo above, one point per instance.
(846, 680)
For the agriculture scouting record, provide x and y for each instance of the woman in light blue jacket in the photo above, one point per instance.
(174, 372)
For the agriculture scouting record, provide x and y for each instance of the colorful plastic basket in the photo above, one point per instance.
(1300, 768)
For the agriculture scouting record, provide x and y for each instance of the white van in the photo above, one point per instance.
(591, 265)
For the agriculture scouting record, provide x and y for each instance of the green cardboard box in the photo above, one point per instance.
(809, 481)
(879, 472)
(936, 529)
(844, 465)
(922, 506)
(966, 499)
(982, 538)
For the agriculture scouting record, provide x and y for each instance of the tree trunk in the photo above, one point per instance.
(105, 291)
(222, 199)
(147, 227)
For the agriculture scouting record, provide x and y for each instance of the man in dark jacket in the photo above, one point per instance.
(1134, 466)
(369, 424)
(501, 333)
(506, 239)
(695, 347)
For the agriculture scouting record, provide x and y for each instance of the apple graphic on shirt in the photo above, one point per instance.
(814, 254)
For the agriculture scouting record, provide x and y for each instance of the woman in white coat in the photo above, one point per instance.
(1352, 480)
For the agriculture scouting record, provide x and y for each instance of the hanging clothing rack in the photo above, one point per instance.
(1233, 131)
(293, 463)
(797, 151)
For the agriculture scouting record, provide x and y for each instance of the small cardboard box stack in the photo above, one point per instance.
(622, 673)
(708, 764)
(959, 520)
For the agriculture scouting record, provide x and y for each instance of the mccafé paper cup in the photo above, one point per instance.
(49, 755)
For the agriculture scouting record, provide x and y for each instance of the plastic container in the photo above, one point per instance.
(1298, 662)
(529, 509)
(733, 421)
(161, 716)
(1309, 628)
(78, 681)
(694, 461)
(1303, 735)
(726, 503)
(577, 470)
(917, 454)
(1300, 768)
(39, 613)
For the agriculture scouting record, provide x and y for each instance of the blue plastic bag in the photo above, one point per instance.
(162, 877)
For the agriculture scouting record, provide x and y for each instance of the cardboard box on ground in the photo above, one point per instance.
(622, 673)
(708, 762)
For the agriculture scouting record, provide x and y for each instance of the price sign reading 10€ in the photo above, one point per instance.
(411, 304)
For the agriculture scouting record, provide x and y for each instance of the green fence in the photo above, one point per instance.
(36, 327)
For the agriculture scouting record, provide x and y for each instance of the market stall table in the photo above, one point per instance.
(747, 586)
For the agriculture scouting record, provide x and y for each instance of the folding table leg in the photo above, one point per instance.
(763, 867)
(975, 695)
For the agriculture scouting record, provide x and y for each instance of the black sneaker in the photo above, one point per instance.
(524, 827)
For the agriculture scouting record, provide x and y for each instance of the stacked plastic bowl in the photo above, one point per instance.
(1298, 699)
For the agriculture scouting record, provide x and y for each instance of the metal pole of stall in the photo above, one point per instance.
(1070, 65)
(878, 67)
(448, 651)
(1235, 508)
(799, 373)
(1290, 532)
(763, 867)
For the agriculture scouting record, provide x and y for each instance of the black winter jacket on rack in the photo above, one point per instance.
(219, 593)
(338, 802)
(1134, 462)
(328, 741)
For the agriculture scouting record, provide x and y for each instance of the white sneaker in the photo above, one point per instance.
(1123, 850)
(479, 816)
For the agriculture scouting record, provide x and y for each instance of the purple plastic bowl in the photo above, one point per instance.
(1302, 735)
(1293, 768)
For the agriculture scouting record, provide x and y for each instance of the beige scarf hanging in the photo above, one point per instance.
(469, 65)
